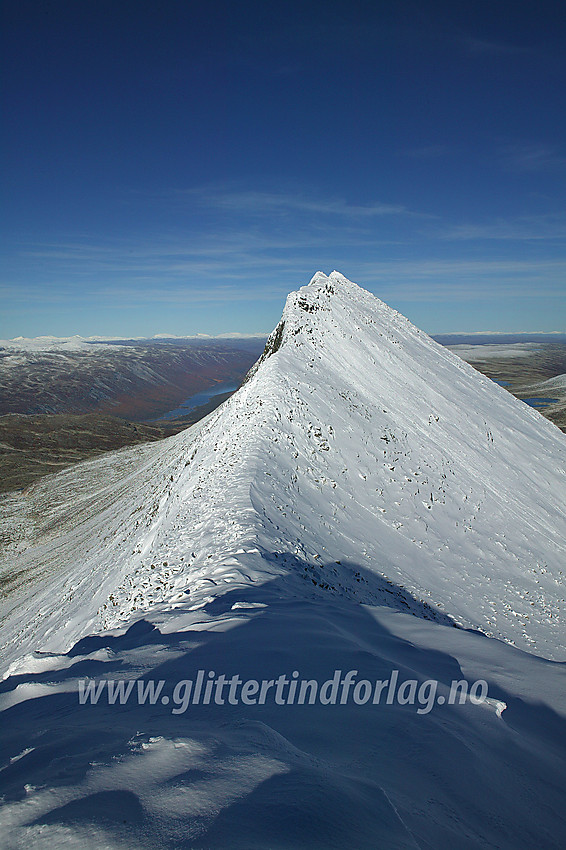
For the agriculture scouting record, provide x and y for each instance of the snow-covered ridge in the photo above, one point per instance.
(557, 383)
(53, 343)
(485, 351)
(360, 459)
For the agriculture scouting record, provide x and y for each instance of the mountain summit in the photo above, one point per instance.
(362, 493)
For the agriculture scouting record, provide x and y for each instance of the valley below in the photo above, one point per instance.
(534, 372)
(59, 407)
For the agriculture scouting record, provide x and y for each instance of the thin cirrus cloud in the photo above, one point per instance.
(195, 295)
(416, 280)
(533, 157)
(261, 202)
(232, 251)
(152, 292)
(494, 48)
(264, 244)
(550, 227)
(454, 280)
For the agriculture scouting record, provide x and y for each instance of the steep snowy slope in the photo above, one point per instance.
(356, 442)
(360, 475)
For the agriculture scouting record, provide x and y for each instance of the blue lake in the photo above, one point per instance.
(502, 383)
(539, 402)
(199, 399)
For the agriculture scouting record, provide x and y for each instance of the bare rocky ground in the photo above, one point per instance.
(33, 446)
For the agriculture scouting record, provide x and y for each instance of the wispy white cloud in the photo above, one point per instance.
(251, 260)
(464, 280)
(549, 227)
(533, 157)
(271, 278)
(494, 48)
(261, 202)
(153, 291)
(229, 253)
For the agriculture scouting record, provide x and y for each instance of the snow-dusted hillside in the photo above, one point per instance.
(362, 470)
(356, 439)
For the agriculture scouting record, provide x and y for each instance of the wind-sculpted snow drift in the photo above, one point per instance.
(361, 474)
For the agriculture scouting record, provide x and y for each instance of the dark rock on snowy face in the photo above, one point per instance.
(273, 344)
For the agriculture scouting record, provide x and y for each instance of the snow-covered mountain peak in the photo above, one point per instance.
(327, 294)
(332, 310)
(360, 459)
(313, 315)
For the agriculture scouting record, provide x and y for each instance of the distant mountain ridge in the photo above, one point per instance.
(76, 342)
(135, 380)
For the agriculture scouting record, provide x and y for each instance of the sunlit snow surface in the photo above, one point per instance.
(362, 474)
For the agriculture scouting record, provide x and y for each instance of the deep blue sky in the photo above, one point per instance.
(178, 167)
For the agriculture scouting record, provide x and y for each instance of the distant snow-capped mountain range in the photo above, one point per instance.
(89, 343)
